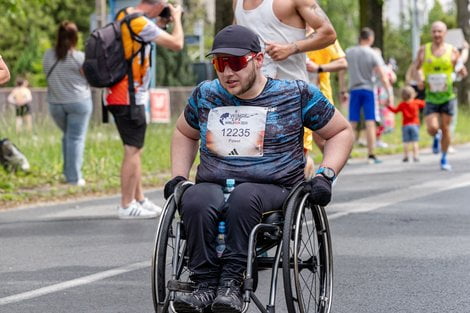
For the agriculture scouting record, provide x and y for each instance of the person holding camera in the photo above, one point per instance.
(132, 127)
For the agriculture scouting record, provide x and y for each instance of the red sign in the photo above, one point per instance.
(160, 105)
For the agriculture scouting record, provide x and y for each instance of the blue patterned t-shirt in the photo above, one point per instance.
(290, 105)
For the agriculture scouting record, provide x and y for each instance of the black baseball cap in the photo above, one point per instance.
(235, 40)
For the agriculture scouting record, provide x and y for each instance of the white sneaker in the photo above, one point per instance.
(451, 150)
(150, 206)
(381, 144)
(81, 182)
(135, 210)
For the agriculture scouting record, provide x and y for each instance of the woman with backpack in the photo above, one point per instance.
(69, 98)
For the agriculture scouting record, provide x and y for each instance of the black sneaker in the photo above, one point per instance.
(197, 301)
(229, 298)
(372, 159)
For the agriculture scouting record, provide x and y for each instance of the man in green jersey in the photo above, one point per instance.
(437, 59)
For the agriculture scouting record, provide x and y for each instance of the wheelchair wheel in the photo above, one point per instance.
(307, 257)
(168, 244)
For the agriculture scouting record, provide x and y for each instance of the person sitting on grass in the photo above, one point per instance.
(409, 107)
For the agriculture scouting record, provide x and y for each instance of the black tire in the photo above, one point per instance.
(307, 264)
(162, 261)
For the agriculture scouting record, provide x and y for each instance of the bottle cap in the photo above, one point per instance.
(230, 182)
(222, 227)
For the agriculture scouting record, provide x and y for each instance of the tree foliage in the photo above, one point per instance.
(29, 27)
(371, 16)
(346, 23)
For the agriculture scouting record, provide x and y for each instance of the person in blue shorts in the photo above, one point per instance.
(249, 128)
(363, 63)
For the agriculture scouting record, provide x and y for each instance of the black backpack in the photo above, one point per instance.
(105, 63)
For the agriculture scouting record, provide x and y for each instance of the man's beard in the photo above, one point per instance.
(250, 81)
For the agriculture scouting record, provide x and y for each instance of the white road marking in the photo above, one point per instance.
(73, 283)
(385, 199)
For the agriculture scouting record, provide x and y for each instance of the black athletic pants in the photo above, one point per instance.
(203, 206)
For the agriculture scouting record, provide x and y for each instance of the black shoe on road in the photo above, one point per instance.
(197, 301)
(229, 298)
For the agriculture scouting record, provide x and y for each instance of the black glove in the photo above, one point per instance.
(320, 190)
(171, 185)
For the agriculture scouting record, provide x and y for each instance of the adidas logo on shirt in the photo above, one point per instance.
(233, 152)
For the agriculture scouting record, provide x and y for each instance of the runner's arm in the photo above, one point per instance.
(316, 18)
(335, 65)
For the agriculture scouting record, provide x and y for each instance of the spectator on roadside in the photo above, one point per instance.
(409, 107)
(4, 71)
(131, 120)
(21, 97)
(438, 60)
(281, 26)
(69, 99)
(384, 118)
(363, 62)
(412, 78)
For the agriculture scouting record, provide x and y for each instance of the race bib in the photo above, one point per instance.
(437, 82)
(236, 131)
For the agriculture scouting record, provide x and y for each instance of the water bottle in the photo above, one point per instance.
(220, 248)
(229, 186)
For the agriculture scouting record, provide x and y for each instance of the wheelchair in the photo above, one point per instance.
(299, 235)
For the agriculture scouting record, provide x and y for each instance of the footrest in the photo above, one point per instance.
(176, 285)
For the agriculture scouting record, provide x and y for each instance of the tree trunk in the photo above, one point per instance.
(223, 14)
(371, 16)
(463, 17)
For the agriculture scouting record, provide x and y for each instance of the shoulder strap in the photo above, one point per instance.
(51, 69)
(130, 75)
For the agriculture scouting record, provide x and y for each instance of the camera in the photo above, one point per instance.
(166, 13)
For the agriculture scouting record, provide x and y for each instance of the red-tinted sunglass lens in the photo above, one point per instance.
(235, 63)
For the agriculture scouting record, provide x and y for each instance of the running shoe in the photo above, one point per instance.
(436, 143)
(135, 210)
(229, 297)
(150, 206)
(445, 166)
(197, 301)
(373, 160)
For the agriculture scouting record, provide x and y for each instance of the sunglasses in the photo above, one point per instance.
(234, 62)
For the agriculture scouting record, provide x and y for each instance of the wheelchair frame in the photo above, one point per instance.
(288, 236)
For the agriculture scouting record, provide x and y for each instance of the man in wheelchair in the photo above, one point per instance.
(249, 128)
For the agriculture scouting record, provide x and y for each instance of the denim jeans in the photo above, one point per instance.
(72, 119)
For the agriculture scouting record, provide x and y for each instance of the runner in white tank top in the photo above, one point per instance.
(285, 57)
